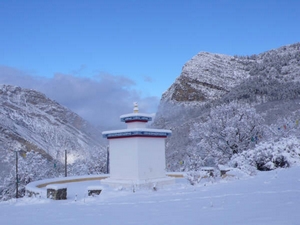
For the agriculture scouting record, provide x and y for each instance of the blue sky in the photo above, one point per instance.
(144, 43)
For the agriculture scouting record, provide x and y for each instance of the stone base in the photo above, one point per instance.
(136, 184)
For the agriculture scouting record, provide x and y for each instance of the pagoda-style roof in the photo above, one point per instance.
(145, 132)
(136, 127)
(134, 117)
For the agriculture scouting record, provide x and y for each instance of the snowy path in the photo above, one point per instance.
(268, 198)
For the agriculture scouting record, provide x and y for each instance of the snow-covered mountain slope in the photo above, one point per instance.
(29, 121)
(265, 87)
(209, 76)
(206, 77)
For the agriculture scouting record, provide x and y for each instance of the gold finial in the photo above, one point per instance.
(135, 108)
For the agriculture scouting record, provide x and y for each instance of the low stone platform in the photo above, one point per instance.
(136, 184)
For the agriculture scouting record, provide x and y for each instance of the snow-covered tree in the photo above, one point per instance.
(34, 166)
(229, 129)
(31, 166)
(269, 155)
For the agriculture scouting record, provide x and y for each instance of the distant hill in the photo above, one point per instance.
(216, 97)
(36, 125)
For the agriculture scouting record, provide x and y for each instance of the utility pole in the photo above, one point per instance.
(17, 175)
(66, 160)
(107, 160)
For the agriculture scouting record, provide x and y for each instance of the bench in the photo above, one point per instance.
(94, 190)
(223, 170)
(209, 170)
(56, 191)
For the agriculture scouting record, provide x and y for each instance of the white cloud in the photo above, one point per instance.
(100, 100)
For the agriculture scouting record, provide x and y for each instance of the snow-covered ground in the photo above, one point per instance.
(267, 198)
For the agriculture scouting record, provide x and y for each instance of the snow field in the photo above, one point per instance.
(267, 198)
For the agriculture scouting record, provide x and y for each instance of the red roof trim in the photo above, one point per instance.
(137, 136)
(130, 121)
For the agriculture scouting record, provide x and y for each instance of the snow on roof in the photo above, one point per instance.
(56, 186)
(207, 168)
(222, 167)
(94, 188)
(136, 131)
(134, 116)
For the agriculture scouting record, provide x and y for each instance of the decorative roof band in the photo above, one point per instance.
(141, 118)
(137, 133)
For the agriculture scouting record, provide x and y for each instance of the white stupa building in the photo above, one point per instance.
(137, 154)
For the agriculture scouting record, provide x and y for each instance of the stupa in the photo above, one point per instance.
(137, 154)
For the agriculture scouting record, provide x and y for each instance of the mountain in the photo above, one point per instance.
(33, 124)
(208, 76)
(216, 97)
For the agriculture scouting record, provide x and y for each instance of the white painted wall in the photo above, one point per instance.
(136, 125)
(137, 158)
(151, 156)
(123, 158)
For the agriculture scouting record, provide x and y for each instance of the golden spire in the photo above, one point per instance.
(135, 108)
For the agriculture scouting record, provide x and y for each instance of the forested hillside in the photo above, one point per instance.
(222, 108)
